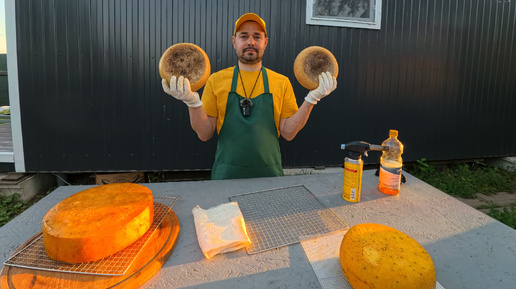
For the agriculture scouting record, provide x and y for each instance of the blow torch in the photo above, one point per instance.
(353, 167)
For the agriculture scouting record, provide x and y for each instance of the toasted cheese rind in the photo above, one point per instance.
(97, 222)
(311, 62)
(378, 256)
(187, 60)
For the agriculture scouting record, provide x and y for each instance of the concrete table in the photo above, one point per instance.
(469, 248)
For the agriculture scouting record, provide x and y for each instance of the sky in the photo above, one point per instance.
(3, 48)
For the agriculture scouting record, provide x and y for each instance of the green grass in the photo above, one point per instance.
(465, 180)
(156, 177)
(506, 215)
(10, 207)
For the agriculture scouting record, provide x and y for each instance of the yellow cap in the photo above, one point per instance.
(250, 17)
(393, 132)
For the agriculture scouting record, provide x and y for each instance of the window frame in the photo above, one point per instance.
(353, 22)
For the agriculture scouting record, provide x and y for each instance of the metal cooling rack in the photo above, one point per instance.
(34, 256)
(284, 216)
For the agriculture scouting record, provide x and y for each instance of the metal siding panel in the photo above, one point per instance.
(33, 57)
(509, 102)
(296, 33)
(441, 72)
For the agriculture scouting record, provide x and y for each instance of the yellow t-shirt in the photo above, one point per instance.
(215, 94)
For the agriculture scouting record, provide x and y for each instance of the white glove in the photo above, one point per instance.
(180, 89)
(327, 84)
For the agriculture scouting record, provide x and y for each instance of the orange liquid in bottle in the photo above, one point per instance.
(387, 190)
(390, 177)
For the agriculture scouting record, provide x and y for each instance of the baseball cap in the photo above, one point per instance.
(250, 17)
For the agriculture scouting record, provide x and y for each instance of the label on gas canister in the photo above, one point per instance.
(352, 180)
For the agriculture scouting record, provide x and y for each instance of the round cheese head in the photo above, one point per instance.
(187, 60)
(378, 256)
(311, 62)
(97, 222)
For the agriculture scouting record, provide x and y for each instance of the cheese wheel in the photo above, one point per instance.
(97, 222)
(378, 256)
(311, 62)
(188, 60)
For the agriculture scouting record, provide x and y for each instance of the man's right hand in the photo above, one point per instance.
(180, 89)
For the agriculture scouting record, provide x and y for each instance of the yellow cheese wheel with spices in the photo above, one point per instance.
(378, 256)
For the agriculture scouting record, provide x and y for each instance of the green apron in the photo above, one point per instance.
(248, 146)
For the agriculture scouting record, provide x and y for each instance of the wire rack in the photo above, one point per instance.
(34, 256)
(284, 216)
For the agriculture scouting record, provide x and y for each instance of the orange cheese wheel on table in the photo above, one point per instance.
(311, 62)
(187, 60)
(97, 222)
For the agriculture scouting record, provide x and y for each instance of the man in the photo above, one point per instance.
(249, 106)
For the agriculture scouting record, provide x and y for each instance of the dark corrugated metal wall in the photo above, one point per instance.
(441, 72)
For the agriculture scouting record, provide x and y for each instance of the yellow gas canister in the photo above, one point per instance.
(352, 184)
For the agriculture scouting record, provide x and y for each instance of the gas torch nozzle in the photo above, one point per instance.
(357, 149)
(378, 148)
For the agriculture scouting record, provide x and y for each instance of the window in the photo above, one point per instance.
(345, 13)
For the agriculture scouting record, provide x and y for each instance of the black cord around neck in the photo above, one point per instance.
(243, 86)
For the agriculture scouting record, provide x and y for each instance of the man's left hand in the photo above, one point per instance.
(327, 84)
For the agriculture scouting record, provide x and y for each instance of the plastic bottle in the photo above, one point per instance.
(390, 165)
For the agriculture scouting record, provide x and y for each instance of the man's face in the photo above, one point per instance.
(250, 42)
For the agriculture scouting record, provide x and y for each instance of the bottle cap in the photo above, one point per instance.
(393, 133)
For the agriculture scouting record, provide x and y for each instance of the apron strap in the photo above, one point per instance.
(265, 81)
(234, 82)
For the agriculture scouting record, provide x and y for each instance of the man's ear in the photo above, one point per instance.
(233, 41)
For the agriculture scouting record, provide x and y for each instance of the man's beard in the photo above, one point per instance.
(250, 59)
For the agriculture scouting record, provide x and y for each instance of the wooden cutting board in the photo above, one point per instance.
(153, 255)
